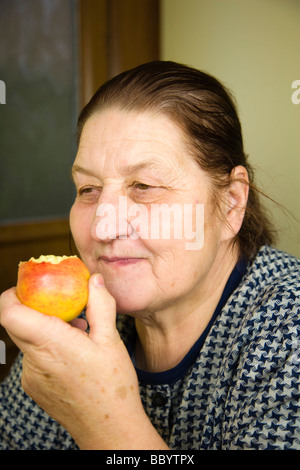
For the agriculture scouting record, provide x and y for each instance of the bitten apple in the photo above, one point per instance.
(54, 285)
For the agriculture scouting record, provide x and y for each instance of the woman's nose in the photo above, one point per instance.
(110, 221)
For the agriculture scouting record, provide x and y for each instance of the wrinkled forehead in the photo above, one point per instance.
(136, 139)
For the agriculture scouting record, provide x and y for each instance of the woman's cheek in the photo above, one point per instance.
(80, 226)
(81, 220)
(73, 220)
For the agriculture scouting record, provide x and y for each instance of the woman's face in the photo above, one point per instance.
(137, 218)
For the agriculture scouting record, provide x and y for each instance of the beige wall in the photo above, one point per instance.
(253, 47)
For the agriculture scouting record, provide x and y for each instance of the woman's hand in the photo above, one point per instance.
(85, 381)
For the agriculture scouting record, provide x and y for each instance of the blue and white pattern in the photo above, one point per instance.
(240, 391)
(23, 425)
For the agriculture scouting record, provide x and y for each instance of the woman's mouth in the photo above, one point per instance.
(120, 261)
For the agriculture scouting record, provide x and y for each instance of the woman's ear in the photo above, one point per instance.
(236, 200)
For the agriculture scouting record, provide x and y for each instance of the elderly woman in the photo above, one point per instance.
(192, 323)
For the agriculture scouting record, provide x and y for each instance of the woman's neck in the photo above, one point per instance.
(165, 337)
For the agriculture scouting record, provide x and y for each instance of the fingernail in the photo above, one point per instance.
(98, 280)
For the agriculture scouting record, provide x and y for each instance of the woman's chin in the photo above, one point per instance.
(128, 299)
(131, 308)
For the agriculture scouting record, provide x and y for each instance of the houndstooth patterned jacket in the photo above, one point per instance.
(237, 388)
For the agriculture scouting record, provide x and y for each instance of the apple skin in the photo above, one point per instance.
(54, 288)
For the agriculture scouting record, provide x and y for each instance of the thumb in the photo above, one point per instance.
(101, 311)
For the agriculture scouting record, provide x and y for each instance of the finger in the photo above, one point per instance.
(25, 325)
(101, 311)
(79, 323)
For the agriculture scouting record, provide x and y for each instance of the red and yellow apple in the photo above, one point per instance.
(54, 285)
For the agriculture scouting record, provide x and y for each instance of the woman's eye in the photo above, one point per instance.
(85, 190)
(143, 192)
(88, 193)
(142, 186)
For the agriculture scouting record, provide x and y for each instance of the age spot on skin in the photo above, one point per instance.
(121, 392)
(83, 376)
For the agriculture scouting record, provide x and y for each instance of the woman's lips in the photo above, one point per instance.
(120, 261)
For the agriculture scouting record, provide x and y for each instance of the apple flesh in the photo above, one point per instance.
(54, 285)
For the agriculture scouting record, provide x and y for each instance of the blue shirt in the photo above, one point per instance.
(237, 388)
